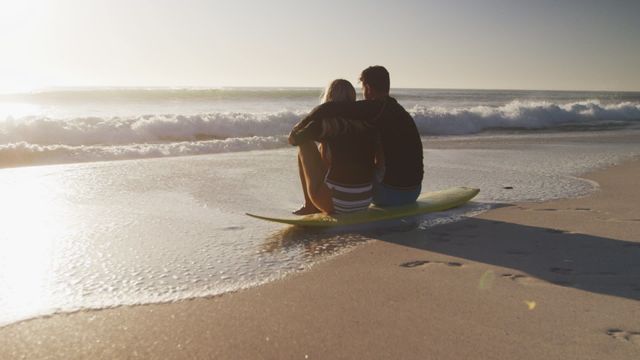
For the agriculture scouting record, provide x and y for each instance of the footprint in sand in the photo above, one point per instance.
(623, 220)
(551, 209)
(229, 228)
(417, 263)
(528, 280)
(622, 335)
(522, 279)
(517, 277)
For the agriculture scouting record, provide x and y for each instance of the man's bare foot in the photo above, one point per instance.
(307, 209)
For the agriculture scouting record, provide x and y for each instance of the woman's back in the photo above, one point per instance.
(348, 166)
(352, 153)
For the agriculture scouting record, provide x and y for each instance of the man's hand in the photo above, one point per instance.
(292, 137)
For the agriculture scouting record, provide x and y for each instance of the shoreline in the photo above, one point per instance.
(556, 279)
(430, 141)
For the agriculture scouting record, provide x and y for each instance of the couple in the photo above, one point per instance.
(370, 150)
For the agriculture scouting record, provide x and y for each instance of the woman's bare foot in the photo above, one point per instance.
(307, 209)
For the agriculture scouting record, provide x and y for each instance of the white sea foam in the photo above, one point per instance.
(430, 120)
(25, 153)
(144, 129)
(47, 140)
(521, 115)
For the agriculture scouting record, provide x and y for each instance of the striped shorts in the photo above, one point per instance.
(350, 198)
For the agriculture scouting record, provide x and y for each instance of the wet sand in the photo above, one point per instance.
(553, 280)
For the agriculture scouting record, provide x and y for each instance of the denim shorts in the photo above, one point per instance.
(384, 195)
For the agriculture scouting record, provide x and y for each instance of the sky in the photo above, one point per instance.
(468, 44)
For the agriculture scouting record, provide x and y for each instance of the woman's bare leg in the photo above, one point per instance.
(308, 207)
(314, 171)
(325, 154)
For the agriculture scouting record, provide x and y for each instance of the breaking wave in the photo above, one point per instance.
(144, 129)
(522, 115)
(39, 140)
(23, 153)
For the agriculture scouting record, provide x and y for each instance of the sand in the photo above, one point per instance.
(553, 280)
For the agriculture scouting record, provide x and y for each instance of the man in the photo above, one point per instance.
(399, 159)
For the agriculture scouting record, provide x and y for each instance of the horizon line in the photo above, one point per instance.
(222, 87)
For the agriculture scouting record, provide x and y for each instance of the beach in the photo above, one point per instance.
(557, 280)
(150, 191)
(125, 234)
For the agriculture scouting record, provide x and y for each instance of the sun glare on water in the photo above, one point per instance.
(34, 227)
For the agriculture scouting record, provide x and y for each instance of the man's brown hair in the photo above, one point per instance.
(377, 77)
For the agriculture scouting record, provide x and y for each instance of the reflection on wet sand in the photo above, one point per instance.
(312, 242)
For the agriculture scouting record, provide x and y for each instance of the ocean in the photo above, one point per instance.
(124, 196)
(79, 125)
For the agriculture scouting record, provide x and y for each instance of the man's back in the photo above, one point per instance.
(401, 145)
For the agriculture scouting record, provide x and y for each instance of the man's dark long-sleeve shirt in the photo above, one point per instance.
(397, 132)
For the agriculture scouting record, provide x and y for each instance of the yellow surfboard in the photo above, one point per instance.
(426, 203)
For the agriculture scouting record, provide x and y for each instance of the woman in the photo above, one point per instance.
(338, 178)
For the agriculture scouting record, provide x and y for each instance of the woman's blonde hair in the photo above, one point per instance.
(339, 90)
